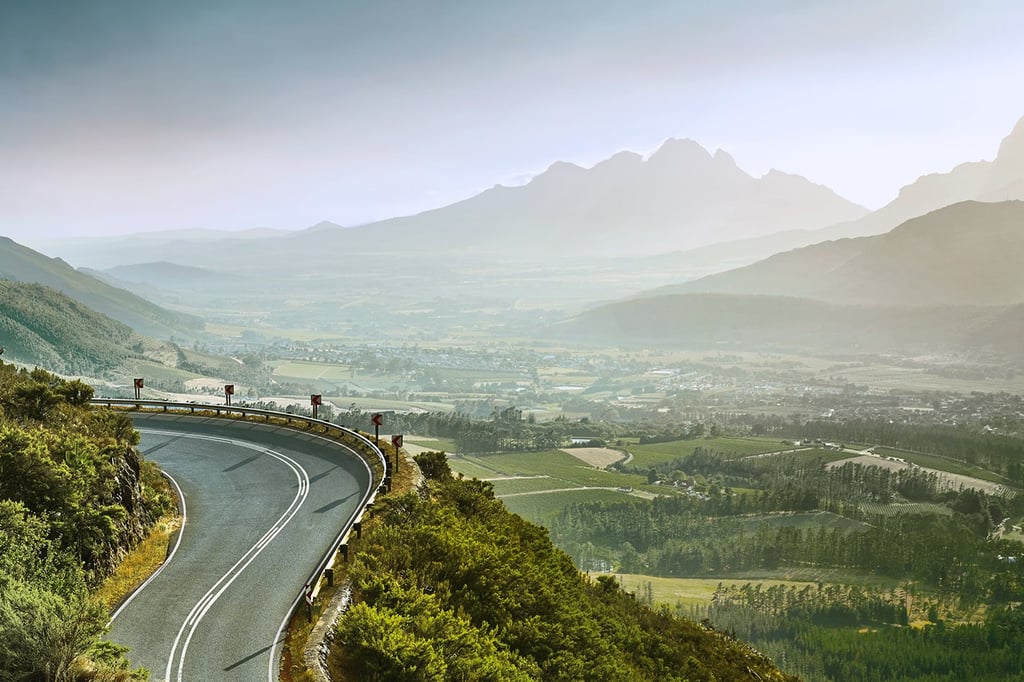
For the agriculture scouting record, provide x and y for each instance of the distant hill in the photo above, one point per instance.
(41, 326)
(164, 275)
(966, 254)
(1001, 179)
(682, 196)
(777, 323)
(22, 264)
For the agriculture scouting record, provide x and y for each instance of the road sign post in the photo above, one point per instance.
(378, 419)
(315, 400)
(396, 440)
(229, 390)
(138, 388)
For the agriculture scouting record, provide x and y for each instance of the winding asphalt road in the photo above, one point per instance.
(263, 505)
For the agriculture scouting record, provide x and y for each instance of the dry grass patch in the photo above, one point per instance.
(140, 563)
(596, 457)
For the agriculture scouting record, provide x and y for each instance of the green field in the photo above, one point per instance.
(690, 591)
(557, 465)
(813, 519)
(515, 486)
(541, 508)
(905, 508)
(659, 453)
(942, 464)
(435, 444)
(460, 465)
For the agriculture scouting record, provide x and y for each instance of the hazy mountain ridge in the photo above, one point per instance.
(680, 197)
(22, 264)
(780, 323)
(40, 325)
(968, 253)
(1001, 179)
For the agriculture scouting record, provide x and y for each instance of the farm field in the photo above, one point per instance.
(429, 443)
(557, 465)
(690, 591)
(953, 481)
(542, 508)
(940, 463)
(905, 508)
(815, 519)
(651, 454)
(596, 457)
(528, 484)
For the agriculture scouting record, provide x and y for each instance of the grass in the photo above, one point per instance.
(515, 486)
(690, 591)
(469, 469)
(540, 509)
(814, 519)
(436, 444)
(658, 453)
(556, 464)
(905, 508)
(951, 466)
(140, 563)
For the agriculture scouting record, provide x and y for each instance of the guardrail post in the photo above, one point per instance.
(358, 528)
(329, 574)
(343, 548)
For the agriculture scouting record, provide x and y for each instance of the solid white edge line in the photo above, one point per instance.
(167, 560)
(202, 606)
(273, 666)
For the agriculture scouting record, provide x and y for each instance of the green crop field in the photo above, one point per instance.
(905, 508)
(689, 591)
(658, 453)
(942, 464)
(514, 486)
(435, 444)
(815, 519)
(542, 507)
(557, 465)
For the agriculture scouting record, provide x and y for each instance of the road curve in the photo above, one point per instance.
(263, 505)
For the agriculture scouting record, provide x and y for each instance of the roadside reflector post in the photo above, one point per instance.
(358, 528)
(378, 419)
(396, 441)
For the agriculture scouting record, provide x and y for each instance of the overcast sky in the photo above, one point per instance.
(125, 116)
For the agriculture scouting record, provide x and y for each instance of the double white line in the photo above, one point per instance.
(195, 616)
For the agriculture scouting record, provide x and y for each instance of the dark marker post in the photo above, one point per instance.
(315, 400)
(229, 390)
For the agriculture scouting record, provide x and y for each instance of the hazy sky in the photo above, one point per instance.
(123, 116)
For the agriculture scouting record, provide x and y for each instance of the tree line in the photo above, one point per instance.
(74, 496)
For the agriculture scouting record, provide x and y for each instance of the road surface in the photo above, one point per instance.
(262, 505)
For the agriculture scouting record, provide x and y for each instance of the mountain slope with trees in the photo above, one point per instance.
(21, 264)
(967, 253)
(41, 326)
(74, 497)
(453, 586)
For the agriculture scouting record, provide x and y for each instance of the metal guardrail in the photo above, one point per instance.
(369, 496)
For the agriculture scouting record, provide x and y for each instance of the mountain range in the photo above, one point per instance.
(680, 197)
(22, 264)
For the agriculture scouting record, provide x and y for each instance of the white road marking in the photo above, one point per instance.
(174, 550)
(201, 607)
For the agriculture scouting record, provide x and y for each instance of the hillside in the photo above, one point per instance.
(1001, 179)
(752, 322)
(456, 587)
(680, 197)
(965, 254)
(22, 264)
(41, 326)
(75, 496)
